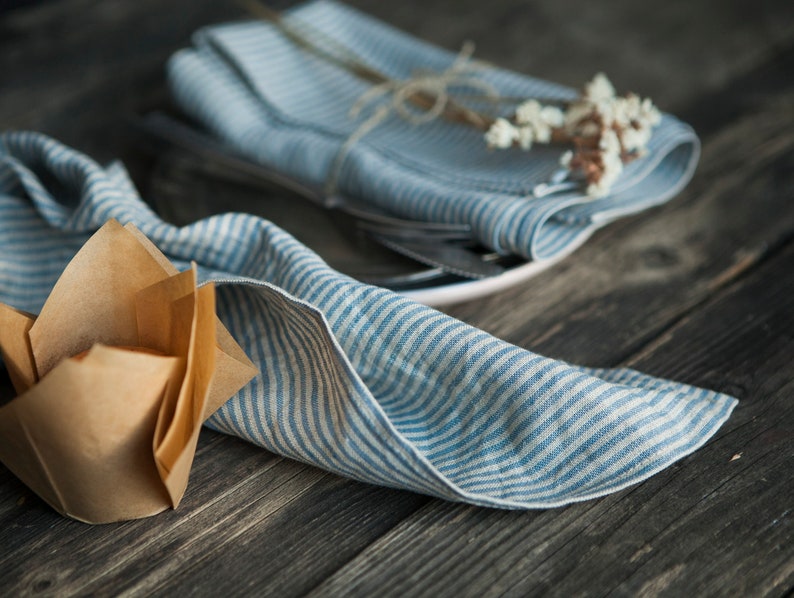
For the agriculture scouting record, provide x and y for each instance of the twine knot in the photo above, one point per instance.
(426, 90)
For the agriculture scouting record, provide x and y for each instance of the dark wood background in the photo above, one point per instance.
(700, 290)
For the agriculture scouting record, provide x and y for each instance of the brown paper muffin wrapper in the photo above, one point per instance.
(115, 377)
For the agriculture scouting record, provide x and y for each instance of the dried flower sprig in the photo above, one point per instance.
(606, 131)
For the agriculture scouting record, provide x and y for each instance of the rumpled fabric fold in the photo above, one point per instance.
(275, 103)
(354, 378)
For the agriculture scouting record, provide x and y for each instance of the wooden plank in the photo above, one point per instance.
(58, 553)
(247, 517)
(718, 522)
(286, 554)
(239, 498)
(73, 69)
(672, 51)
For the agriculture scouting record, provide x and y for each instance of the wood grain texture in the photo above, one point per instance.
(671, 51)
(698, 290)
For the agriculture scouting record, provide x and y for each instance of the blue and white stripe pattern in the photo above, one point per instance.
(354, 378)
(282, 106)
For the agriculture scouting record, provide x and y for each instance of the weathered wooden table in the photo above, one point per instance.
(700, 290)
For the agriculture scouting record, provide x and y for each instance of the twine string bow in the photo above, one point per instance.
(428, 91)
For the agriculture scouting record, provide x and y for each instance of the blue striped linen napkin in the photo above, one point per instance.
(277, 104)
(357, 379)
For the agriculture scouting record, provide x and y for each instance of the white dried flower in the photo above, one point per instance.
(589, 129)
(552, 116)
(599, 89)
(526, 135)
(540, 119)
(609, 142)
(576, 113)
(635, 139)
(621, 126)
(543, 134)
(625, 110)
(528, 112)
(606, 110)
(598, 189)
(612, 169)
(635, 119)
(650, 113)
(501, 134)
(612, 164)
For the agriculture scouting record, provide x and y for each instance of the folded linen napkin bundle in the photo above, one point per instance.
(354, 378)
(277, 103)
